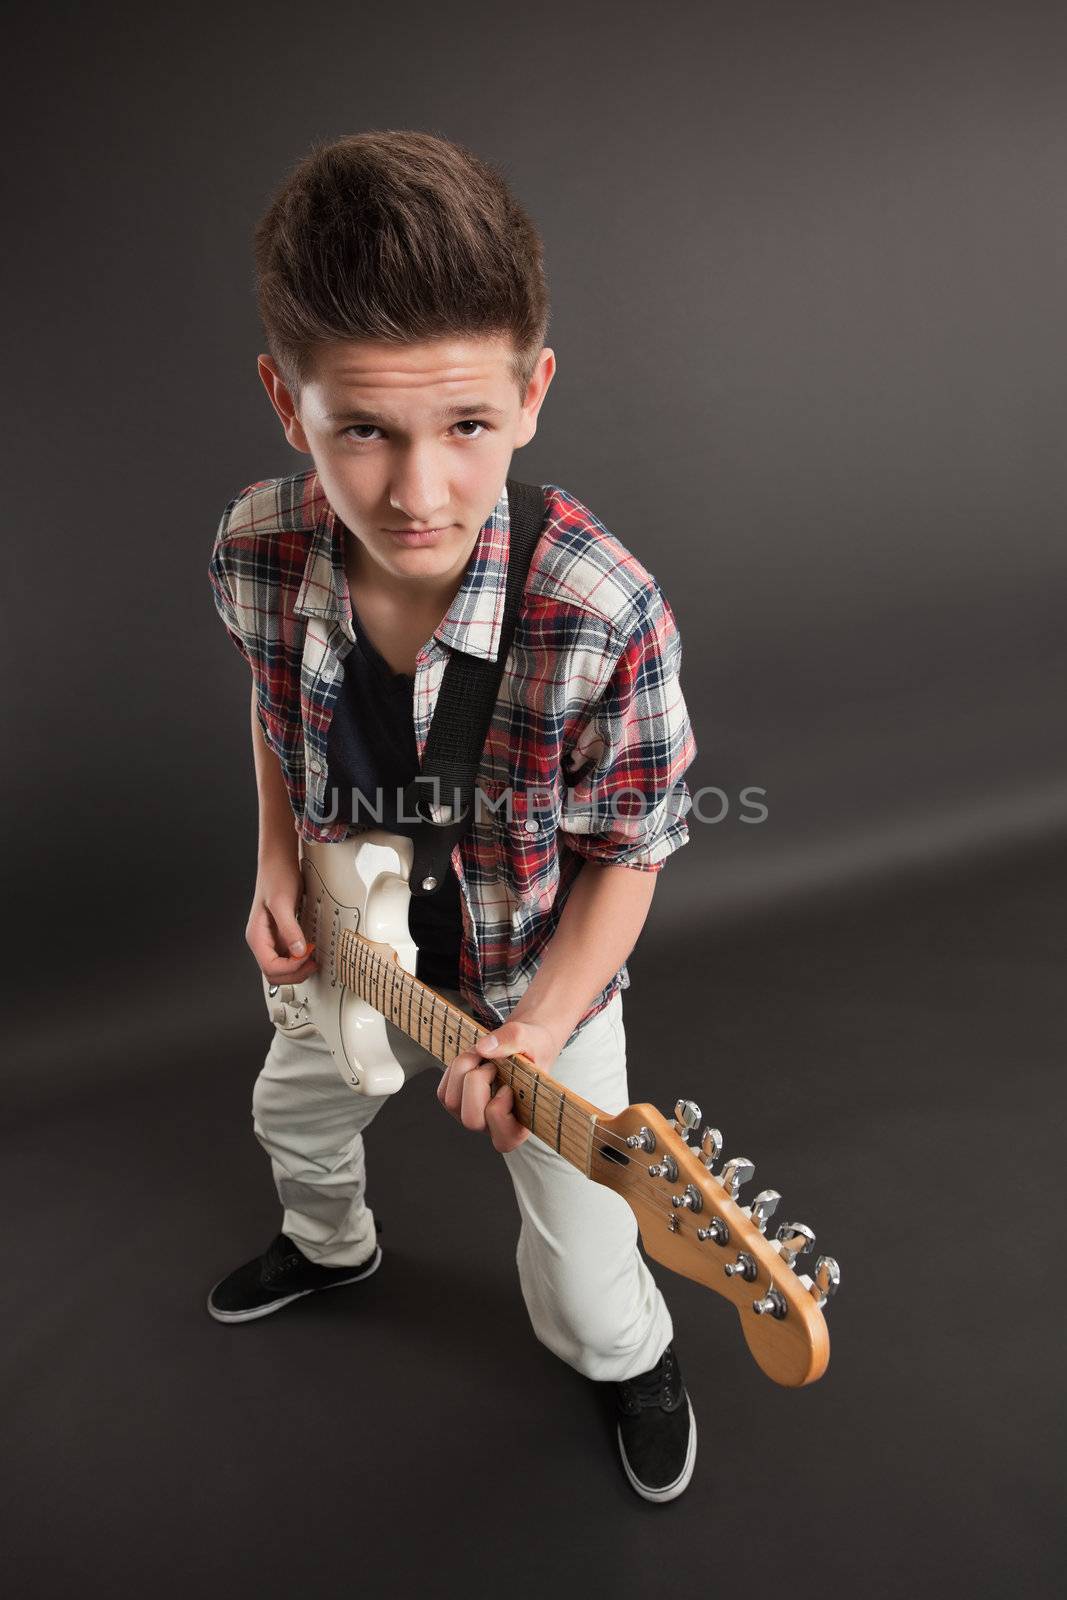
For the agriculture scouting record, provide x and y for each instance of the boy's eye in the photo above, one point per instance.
(467, 422)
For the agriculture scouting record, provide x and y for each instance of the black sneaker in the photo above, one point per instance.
(282, 1273)
(657, 1430)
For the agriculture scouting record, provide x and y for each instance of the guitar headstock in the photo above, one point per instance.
(693, 1220)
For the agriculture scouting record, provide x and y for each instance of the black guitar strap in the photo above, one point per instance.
(442, 794)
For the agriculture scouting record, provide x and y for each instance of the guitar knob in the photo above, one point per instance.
(710, 1146)
(282, 991)
(773, 1304)
(827, 1278)
(738, 1170)
(686, 1118)
(763, 1207)
(280, 1015)
(795, 1238)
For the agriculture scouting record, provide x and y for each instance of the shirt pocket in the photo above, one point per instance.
(526, 841)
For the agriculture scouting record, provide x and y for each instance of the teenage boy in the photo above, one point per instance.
(402, 294)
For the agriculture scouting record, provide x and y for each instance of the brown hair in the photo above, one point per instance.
(397, 235)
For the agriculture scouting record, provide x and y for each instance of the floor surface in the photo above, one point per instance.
(892, 1062)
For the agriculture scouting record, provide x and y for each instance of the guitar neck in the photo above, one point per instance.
(556, 1115)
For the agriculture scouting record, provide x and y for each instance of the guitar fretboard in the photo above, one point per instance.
(541, 1104)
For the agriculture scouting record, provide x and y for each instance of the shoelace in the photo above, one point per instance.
(651, 1388)
(280, 1255)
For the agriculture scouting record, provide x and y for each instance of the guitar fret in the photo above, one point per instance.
(590, 1133)
(518, 1089)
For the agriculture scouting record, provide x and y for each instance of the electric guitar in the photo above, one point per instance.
(355, 914)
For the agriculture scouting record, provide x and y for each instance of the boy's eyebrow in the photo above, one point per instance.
(464, 408)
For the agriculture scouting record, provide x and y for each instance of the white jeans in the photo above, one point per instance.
(590, 1296)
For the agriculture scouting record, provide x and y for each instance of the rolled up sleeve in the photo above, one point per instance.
(222, 585)
(627, 799)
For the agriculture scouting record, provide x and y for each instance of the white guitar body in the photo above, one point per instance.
(359, 884)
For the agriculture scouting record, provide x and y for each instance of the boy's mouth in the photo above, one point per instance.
(416, 536)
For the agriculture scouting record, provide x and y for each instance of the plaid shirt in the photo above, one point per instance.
(589, 737)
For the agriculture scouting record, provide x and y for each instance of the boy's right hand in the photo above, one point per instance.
(273, 933)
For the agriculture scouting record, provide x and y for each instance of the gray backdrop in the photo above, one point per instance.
(808, 321)
(806, 272)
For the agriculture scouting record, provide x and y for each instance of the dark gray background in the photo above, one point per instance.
(806, 273)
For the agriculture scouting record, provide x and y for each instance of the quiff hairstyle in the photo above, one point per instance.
(397, 235)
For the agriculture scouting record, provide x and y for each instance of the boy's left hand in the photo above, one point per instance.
(465, 1089)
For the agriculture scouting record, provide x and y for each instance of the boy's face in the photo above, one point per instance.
(412, 437)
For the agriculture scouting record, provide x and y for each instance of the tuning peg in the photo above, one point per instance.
(743, 1267)
(827, 1278)
(795, 1238)
(691, 1198)
(643, 1139)
(686, 1118)
(773, 1303)
(667, 1168)
(738, 1170)
(717, 1230)
(763, 1206)
(710, 1146)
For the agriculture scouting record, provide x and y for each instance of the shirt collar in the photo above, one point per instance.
(475, 616)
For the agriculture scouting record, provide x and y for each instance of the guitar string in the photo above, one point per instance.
(583, 1134)
(387, 972)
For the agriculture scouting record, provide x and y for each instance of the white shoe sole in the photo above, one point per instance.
(276, 1305)
(669, 1491)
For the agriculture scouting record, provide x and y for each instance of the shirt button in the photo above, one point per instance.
(316, 766)
(532, 826)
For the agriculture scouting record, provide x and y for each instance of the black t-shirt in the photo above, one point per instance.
(370, 748)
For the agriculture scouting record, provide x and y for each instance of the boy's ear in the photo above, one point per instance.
(283, 403)
(535, 394)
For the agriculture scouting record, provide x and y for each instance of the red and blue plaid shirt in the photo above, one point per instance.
(590, 691)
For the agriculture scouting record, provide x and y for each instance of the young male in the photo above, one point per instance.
(402, 293)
